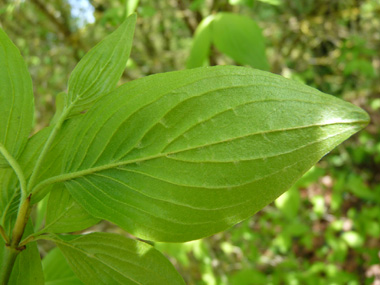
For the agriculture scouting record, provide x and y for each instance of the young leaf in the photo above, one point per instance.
(16, 99)
(28, 267)
(57, 271)
(240, 38)
(105, 258)
(64, 214)
(200, 48)
(101, 68)
(183, 155)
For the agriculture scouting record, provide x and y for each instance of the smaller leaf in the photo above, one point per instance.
(64, 214)
(57, 271)
(101, 68)
(240, 38)
(105, 258)
(200, 49)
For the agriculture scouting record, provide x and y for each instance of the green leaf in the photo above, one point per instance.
(248, 3)
(57, 271)
(289, 203)
(28, 268)
(16, 99)
(105, 258)
(60, 105)
(237, 36)
(131, 6)
(9, 199)
(200, 49)
(183, 155)
(240, 38)
(64, 214)
(100, 69)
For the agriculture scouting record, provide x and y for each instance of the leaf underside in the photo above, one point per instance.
(183, 155)
(16, 99)
(105, 258)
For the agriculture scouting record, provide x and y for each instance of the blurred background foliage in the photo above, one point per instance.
(326, 229)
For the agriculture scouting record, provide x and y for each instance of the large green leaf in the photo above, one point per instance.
(64, 214)
(105, 258)
(101, 68)
(240, 38)
(57, 271)
(16, 99)
(183, 155)
(28, 268)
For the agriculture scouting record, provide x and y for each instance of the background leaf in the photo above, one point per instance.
(183, 155)
(200, 49)
(240, 38)
(100, 69)
(105, 258)
(57, 271)
(16, 99)
(131, 6)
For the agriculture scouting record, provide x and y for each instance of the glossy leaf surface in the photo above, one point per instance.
(105, 258)
(16, 99)
(183, 155)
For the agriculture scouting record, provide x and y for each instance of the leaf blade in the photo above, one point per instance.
(57, 271)
(64, 214)
(205, 150)
(16, 99)
(240, 38)
(200, 48)
(105, 258)
(101, 68)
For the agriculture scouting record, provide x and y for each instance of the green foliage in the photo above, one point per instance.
(171, 157)
(100, 69)
(109, 258)
(234, 35)
(56, 269)
(16, 100)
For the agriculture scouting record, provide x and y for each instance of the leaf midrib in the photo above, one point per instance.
(91, 170)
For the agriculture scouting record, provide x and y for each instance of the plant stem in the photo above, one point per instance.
(4, 234)
(22, 219)
(9, 259)
(46, 148)
(12, 249)
(16, 168)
